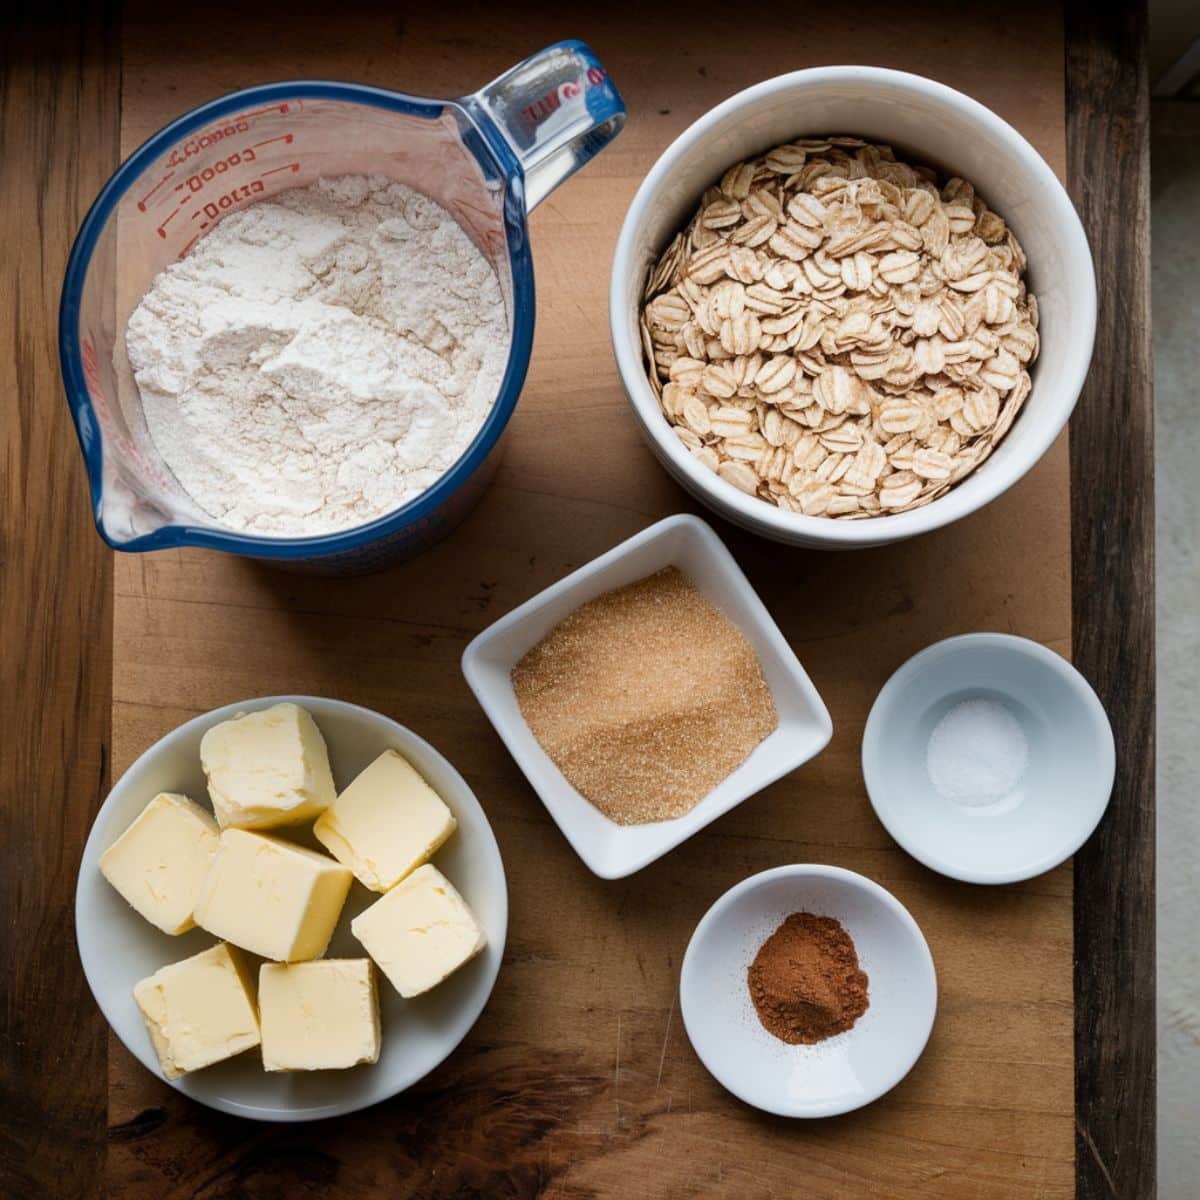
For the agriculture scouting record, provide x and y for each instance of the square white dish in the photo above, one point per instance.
(613, 851)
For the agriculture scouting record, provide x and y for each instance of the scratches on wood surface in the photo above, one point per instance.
(59, 95)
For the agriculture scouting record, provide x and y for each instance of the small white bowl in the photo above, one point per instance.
(613, 851)
(118, 947)
(846, 1071)
(933, 124)
(1066, 784)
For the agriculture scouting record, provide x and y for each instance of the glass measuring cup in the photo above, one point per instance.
(487, 158)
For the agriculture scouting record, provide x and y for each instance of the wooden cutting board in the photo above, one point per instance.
(578, 1081)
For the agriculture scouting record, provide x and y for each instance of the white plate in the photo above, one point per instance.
(118, 947)
(1067, 781)
(846, 1071)
(611, 850)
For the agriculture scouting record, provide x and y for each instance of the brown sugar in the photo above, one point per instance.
(805, 980)
(645, 698)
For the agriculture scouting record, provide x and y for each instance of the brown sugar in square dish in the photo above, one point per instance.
(645, 698)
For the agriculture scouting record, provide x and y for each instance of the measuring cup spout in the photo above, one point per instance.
(552, 113)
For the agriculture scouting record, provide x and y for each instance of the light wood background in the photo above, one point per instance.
(578, 1080)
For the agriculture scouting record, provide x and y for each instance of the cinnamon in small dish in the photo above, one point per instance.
(805, 980)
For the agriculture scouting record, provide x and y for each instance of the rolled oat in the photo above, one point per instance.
(838, 333)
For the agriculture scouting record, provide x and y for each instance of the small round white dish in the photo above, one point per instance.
(1062, 793)
(846, 1071)
(118, 947)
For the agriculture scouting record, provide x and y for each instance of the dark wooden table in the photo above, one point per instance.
(62, 109)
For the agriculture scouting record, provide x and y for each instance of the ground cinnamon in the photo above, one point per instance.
(805, 980)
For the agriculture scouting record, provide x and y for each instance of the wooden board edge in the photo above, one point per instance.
(60, 105)
(1112, 572)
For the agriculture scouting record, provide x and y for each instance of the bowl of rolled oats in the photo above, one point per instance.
(851, 305)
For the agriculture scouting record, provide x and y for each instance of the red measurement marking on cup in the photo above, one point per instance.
(103, 413)
(286, 107)
(91, 368)
(286, 138)
(258, 112)
(212, 209)
(92, 380)
(201, 141)
(541, 108)
(146, 197)
(200, 179)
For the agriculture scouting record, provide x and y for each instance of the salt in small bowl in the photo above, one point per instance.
(1064, 788)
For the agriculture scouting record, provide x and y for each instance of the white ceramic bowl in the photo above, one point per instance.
(118, 947)
(935, 125)
(1067, 780)
(611, 850)
(846, 1071)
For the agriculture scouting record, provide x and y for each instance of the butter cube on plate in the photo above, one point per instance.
(267, 768)
(199, 1011)
(317, 1016)
(386, 823)
(159, 863)
(272, 897)
(420, 932)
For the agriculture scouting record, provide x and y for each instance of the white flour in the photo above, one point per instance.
(321, 357)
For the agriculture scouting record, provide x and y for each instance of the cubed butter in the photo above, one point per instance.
(267, 768)
(199, 1011)
(271, 897)
(318, 1016)
(159, 863)
(420, 932)
(386, 823)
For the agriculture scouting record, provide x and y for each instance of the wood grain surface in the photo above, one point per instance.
(1112, 519)
(59, 91)
(579, 1081)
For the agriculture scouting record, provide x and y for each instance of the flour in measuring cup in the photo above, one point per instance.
(321, 357)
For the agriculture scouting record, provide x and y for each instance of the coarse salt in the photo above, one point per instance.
(977, 753)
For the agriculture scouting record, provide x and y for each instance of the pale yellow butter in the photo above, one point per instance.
(267, 768)
(318, 1016)
(199, 1011)
(159, 863)
(271, 897)
(420, 932)
(386, 823)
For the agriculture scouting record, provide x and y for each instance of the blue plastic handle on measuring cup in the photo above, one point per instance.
(529, 130)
